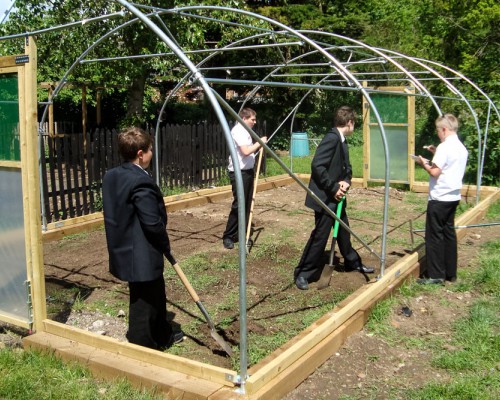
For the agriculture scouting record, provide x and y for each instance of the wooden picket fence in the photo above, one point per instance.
(190, 156)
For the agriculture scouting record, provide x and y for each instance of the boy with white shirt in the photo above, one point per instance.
(446, 172)
(245, 149)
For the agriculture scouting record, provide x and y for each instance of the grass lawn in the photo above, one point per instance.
(303, 165)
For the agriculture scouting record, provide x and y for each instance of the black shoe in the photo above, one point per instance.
(452, 279)
(228, 243)
(301, 283)
(363, 269)
(430, 281)
(175, 338)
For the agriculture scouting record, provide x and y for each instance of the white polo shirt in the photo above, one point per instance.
(241, 138)
(451, 157)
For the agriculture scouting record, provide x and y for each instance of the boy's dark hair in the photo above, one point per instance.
(131, 140)
(247, 112)
(343, 115)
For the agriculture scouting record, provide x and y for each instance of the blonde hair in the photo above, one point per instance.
(449, 121)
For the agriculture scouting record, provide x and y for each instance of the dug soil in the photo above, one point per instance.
(82, 293)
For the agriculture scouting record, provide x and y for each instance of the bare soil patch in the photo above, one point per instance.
(76, 270)
(370, 367)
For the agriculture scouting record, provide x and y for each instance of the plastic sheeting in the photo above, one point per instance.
(13, 294)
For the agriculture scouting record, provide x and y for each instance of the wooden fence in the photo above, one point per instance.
(190, 156)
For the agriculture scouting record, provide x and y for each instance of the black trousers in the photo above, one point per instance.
(148, 325)
(232, 221)
(310, 265)
(441, 239)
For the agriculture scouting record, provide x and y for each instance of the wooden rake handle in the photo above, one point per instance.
(186, 283)
(256, 181)
(183, 277)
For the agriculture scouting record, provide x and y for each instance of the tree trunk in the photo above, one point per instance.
(136, 97)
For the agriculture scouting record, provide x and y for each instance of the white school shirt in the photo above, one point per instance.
(451, 157)
(241, 138)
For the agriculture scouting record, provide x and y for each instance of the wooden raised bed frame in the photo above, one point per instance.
(272, 377)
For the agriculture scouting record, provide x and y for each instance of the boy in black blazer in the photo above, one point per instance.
(135, 220)
(331, 174)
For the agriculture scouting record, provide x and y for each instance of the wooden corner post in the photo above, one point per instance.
(31, 184)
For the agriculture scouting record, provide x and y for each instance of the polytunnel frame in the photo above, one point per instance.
(416, 82)
(239, 186)
(377, 51)
(216, 102)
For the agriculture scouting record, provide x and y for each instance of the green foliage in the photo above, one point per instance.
(186, 113)
(491, 171)
(346, 18)
(461, 35)
(97, 192)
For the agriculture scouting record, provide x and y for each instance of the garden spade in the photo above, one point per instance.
(196, 299)
(326, 275)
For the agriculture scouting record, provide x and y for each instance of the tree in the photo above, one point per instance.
(58, 50)
(457, 33)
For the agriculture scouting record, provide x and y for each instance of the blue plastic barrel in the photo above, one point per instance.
(299, 146)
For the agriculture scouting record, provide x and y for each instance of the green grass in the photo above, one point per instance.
(420, 174)
(473, 366)
(356, 158)
(377, 323)
(62, 299)
(418, 203)
(69, 240)
(28, 375)
(302, 165)
(485, 387)
(109, 306)
(171, 191)
(494, 211)
(194, 267)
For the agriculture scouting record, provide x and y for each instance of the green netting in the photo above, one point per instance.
(397, 138)
(392, 109)
(9, 118)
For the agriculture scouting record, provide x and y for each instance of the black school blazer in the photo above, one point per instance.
(135, 220)
(327, 170)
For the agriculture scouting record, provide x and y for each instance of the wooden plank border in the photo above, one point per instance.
(111, 365)
(86, 223)
(289, 365)
(309, 343)
(172, 362)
